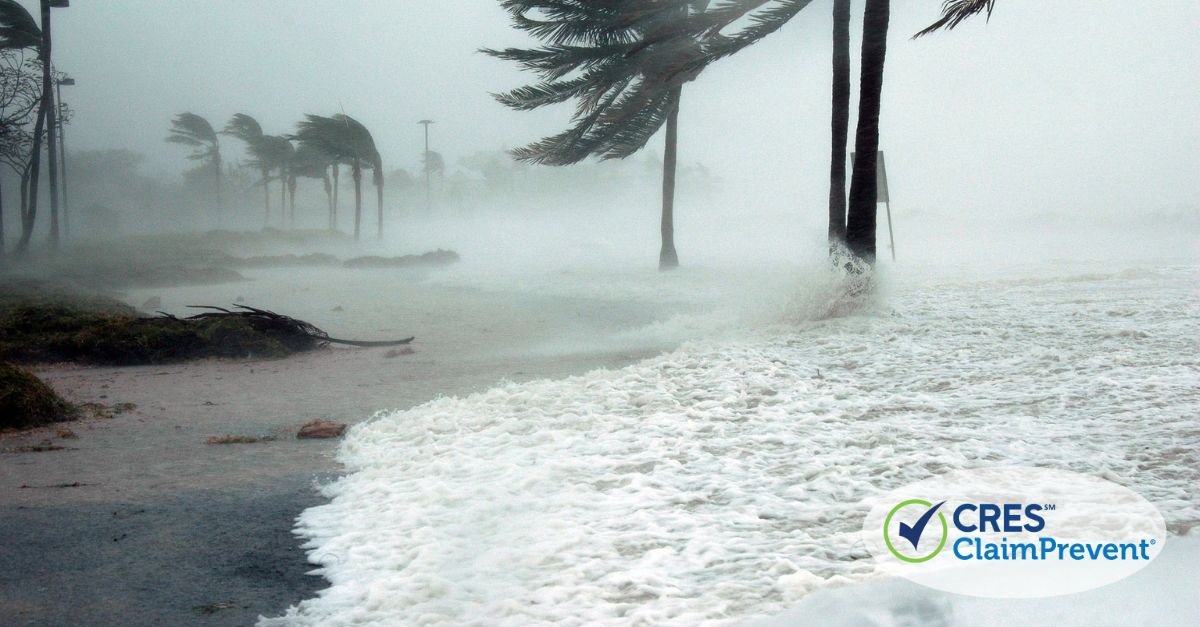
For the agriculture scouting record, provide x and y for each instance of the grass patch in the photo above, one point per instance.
(27, 402)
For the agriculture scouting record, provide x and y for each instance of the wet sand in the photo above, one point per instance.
(164, 528)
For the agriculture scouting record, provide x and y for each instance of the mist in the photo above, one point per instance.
(477, 388)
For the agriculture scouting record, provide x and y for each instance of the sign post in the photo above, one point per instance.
(882, 196)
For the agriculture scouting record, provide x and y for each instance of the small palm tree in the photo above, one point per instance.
(192, 130)
(308, 162)
(346, 140)
(277, 152)
(250, 131)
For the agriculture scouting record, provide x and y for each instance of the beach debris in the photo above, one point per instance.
(65, 433)
(321, 429)
(396, 352)
(212, 608)
(25, 401)
(286, 328)
(239, 439)
(41, 447)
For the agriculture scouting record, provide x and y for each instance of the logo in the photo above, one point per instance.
(912, 533)
(1013, 532)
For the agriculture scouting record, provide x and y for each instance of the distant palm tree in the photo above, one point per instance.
(346, 140)
(308, 162)
(250, 131)
(192, 130)
(278, 152)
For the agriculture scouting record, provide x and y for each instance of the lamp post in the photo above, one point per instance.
(428, 195)
(48, 106)
(64, 113)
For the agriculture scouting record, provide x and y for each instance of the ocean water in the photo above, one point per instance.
(720, 482)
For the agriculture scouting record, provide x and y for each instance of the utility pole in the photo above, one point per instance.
(63, 113)
(51, 123)
(428, 187)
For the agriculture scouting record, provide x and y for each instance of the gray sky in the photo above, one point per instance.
(1063, 106)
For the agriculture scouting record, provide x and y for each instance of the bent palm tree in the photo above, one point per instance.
(345, 140)
(308, 162)
(625, 65)
(250, 131)
(192, 130)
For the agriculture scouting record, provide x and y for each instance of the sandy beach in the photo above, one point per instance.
(155, 526)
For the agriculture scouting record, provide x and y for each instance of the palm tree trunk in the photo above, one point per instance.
(266, 174)
(667, 257)
(328, 198)
(283, 208)
(839, 121)
(292, 198)
(356, 172)
(379, 202)
(217, 166)
(337, 174)
(860, 225)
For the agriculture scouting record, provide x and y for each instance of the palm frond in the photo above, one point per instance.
(193, 130)
(244, 128)
(955, 12)
(17, 27)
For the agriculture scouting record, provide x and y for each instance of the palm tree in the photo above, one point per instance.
(863, 205)
(278, 152)
(192, 130)
(308, 162)
(250, 131)
(839, 121)
(625, 64)
(345, 140)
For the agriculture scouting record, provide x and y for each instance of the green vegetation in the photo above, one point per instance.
(27, 402)
(47, 324)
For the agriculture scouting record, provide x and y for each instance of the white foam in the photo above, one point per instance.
(721, 482)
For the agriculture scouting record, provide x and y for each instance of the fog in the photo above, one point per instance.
(1083, 110)
(696, 439)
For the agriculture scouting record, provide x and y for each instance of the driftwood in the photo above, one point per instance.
(269, 321)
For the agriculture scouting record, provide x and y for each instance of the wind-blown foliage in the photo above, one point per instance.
(620, 60)
(345, 140)
(17, 27)
(250, 131)
(193, 130)
(954, 12)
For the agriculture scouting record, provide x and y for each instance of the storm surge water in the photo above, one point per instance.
(722, 481)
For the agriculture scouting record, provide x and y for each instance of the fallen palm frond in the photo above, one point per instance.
(282, 326)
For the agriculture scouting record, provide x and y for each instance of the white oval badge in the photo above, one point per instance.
(1013, 532)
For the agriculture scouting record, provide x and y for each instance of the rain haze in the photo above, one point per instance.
(241, 388)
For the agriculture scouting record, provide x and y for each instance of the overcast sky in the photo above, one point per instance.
(1063, 106)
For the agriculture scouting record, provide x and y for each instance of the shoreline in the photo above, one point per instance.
(139, 521)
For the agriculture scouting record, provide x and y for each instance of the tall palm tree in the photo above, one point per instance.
(250, 131)
(625, 65)
(346, 140)
(192, 130)
(863, 205)
(839, 121)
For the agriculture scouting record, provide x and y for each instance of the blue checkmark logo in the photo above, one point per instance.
(914, 532)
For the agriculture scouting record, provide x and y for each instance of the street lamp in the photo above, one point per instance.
(428, 196)
(64, 114)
